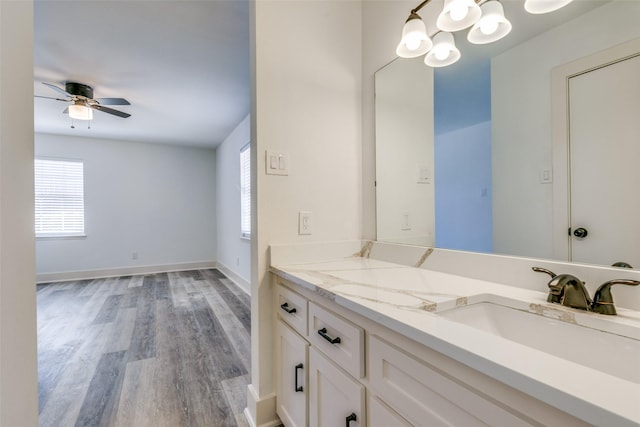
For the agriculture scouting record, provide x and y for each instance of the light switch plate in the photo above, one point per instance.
(546, 176)
(424, 175)
(277, 163)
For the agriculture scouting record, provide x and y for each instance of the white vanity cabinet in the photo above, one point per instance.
(314, 382)
(354, 368)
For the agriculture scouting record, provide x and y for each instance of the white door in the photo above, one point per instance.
(604, 151)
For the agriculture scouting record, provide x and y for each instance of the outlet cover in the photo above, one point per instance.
(304, 223)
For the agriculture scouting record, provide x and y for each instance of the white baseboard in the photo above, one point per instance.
(235, 278)
(65, 276)
(261, 412)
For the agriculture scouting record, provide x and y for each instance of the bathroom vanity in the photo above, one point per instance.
(362, 341)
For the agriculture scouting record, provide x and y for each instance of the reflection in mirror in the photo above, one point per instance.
(486, 156)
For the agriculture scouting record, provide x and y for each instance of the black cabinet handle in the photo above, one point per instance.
(350, 418)
(323, 334)
(286, 308)
(298, 366)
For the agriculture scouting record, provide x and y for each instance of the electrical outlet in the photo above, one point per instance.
(134, 255)
(304, 223)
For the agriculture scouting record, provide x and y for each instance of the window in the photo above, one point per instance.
(59, 191)
(245, 192)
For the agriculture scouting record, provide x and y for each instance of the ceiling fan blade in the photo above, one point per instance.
(110, 111)
(56, 88)
(48, 97)
(113, 101)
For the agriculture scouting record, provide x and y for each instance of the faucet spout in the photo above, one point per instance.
(567, 290)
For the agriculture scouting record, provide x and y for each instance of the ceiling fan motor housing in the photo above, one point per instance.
(79, 89)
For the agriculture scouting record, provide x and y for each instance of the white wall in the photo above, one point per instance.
(306, 59)
(156, 200)
(382, 22)
(18, 357)
(404, 149)
(234, 252)
(521, 111)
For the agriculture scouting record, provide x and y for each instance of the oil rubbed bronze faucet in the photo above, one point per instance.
(566, 289)
(570, 291)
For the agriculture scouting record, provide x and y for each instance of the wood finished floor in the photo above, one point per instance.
(167, 349)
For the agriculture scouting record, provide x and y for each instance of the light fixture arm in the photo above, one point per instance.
(425, 2)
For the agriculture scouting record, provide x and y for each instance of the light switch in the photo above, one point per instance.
(277, 163)
(424, 175)
(546, 176)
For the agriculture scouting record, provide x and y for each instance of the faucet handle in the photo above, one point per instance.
(603, 299)
(555, 289)
(544, 270)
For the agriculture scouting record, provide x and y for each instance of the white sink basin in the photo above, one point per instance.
(609, 353)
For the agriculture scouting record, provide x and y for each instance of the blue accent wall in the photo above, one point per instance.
(462, 174)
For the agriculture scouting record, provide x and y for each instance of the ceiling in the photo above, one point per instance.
(183, 65)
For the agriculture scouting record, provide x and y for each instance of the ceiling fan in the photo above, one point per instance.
(83, 103)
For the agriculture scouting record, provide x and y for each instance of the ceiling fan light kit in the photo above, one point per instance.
(79, 111)
(82, 102)
(485, 17)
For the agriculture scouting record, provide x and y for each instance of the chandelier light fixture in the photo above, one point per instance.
(485, 17)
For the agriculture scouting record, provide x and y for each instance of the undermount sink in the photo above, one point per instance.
(606, 352)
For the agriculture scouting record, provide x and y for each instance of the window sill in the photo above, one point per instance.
(248, 238)
(61, 236)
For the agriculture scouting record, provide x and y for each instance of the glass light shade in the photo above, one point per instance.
(444, 51)
(492, 26)
(458, 15)
(80, 111)
(415, 41)
(544, 6)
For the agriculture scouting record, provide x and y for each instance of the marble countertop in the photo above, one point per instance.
(408, 300)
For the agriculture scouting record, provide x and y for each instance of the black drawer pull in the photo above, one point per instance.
(298, 366)
(323, 334)
(286, 308)
(350, 418)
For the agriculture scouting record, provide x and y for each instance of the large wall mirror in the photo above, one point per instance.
(466, 157)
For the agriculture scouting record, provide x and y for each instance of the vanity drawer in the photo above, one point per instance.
(425, 396)
(338, 338)
(292, 309)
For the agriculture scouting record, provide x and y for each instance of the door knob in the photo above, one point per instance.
(580, 233)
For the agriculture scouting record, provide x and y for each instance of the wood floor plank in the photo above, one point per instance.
(104, 387)
(150, 350)
(109, 309)
(136, 281)
(237, 334)
(143, 339)
(236, 391)
(63, 406)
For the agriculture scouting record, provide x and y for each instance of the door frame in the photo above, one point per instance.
(561, 216)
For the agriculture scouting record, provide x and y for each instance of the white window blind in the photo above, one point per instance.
(59, 193)
(245, 191)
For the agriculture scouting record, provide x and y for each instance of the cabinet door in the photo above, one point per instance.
(380, 415)
(335, 398)
(291, 376)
